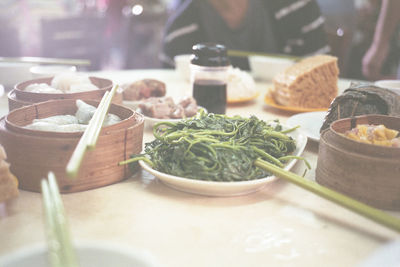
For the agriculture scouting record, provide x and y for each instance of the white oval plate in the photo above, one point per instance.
(224, 189)
(310, 123)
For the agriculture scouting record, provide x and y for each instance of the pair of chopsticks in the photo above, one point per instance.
(61, 251)
(91, 134)
(45, 60)
(344, 201)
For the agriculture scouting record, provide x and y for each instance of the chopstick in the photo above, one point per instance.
(345, 201)
(91, 134)
(100, 117)
(45, 60)
(61, 251)
(241, 53)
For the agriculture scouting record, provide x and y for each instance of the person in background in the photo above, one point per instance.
(388, 20)
(293, 27)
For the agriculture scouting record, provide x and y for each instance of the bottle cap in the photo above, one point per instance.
(210, 55)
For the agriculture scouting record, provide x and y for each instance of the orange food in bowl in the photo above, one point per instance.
(374, 134)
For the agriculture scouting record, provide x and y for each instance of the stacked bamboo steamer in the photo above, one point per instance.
(18, 97)
(369, 173)
(32, 154)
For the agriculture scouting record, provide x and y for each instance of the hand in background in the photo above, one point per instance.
(388, 20)
(373, 60)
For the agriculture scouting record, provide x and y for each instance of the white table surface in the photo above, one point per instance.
(280, 225)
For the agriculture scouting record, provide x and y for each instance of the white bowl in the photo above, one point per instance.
(392, 85)
(182, 65)
(12, 73)
(90, 254)
(50, 70)
(266, 68)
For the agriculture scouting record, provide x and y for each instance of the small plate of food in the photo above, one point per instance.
(165, 109)
(135, 92)
(308, 85)
(215, 155)
(148, 97)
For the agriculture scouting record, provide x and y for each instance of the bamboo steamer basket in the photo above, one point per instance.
(369, 173)
(14, 103)
(32, 154)
(18, 97)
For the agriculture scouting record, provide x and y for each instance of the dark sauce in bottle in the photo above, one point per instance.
(211, 95)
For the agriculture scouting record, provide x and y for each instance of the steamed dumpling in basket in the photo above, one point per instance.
(71, 123)
(72, 83)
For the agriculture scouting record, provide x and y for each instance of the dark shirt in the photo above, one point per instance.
(293, 27)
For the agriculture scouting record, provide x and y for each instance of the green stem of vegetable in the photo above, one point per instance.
(268, 156)
(276, 134)
(290, 130)
(345, 201)
(289, 157)
(228, 146)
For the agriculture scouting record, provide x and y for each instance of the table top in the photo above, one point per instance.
(279, 225)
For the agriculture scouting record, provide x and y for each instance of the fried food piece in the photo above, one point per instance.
(143, 89)
(309, 83)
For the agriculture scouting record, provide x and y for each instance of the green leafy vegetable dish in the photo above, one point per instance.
(214, 147)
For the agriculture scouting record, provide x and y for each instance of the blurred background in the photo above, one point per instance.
(127, 34)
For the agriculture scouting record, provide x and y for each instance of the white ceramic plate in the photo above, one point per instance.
(224, 189)
(310, 123)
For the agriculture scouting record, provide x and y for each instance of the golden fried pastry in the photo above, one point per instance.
(309, 83)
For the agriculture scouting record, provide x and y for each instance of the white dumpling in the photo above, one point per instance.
(64, 81)
(41, 88)
(50, 127)
(70, 123)
(42, 126)
(111, 119)
(59, 119)
(82, 87)
(85, 112)
(76, 127)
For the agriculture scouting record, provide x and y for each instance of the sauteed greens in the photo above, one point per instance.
(217, 147)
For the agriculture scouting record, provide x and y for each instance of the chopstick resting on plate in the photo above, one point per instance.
(45, 60)
(91, 134)
(61, 251)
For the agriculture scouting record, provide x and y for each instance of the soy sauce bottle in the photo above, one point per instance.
(209, 76)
